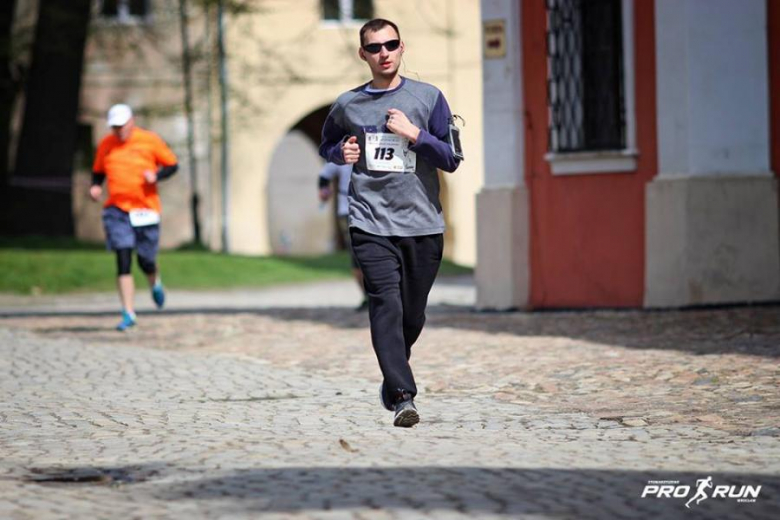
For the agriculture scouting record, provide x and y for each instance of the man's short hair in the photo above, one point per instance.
(375, 25)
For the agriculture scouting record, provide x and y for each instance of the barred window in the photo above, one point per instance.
(585, 75)
(124, 11)
(347, 10)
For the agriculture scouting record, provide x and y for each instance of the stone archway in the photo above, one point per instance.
(298, 224)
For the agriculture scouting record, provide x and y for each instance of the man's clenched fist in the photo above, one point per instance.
(95, 192)
(399, 124)
(351, 150)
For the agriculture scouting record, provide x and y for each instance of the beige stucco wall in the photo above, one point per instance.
(711, 213)
(140, 64)
(285, 63)
(501, 273)
(711, 240)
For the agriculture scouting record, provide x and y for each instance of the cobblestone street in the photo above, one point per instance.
(264, 404)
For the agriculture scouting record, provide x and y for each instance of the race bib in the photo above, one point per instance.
(144, 217)
(389, 152)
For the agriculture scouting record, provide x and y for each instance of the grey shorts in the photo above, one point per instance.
(121, 235)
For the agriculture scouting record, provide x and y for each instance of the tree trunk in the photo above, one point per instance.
(7, 89)
(47, 143)
(188, 110)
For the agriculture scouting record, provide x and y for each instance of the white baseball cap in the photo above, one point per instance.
(119, 114)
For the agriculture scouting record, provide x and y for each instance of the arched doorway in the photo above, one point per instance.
(297, 223)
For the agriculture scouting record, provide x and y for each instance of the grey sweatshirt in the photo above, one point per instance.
(393, 192)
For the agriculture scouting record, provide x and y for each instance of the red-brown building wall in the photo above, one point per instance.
(587, 232)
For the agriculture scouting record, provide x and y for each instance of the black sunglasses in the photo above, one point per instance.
(390, 45)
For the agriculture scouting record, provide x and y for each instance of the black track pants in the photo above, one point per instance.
(398, 274)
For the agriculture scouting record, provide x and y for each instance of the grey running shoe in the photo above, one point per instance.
(382, 398)
(406, 414)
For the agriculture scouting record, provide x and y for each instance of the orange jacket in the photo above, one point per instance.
(124, 165)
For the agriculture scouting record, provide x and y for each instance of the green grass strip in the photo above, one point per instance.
(46, 266)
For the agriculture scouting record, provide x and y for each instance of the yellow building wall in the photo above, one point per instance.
(285, 62)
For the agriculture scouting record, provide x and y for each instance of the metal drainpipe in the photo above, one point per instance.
(224, 158)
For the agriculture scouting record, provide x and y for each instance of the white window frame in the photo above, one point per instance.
(609, 161)
(123, 16)
(346, 12)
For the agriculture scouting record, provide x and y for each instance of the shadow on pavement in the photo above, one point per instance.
(474, 490)
(76, 330)
(743, 330)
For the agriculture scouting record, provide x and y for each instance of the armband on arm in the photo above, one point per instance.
(454, 138)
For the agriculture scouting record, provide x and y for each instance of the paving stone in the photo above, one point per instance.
(243, 414)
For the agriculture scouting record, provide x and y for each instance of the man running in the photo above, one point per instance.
(342, 172)
(133, 160)
(396, 133)
(702, 484)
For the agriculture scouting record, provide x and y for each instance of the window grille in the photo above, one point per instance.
(347, 10)
(124, 11)
(585, 75)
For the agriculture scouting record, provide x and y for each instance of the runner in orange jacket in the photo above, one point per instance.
(133, 160)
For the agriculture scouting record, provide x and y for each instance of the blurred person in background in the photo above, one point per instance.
(342, 172)
(133, 161)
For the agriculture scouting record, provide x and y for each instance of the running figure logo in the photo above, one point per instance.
(701, 494)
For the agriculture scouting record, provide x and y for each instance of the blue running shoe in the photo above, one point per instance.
(128, 320)
(158, 295)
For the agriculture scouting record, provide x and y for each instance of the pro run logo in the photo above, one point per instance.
(705, 489)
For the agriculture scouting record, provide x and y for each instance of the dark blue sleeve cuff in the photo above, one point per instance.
(98, 178)
(436, 152)
(166, 172)
(332, 138)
